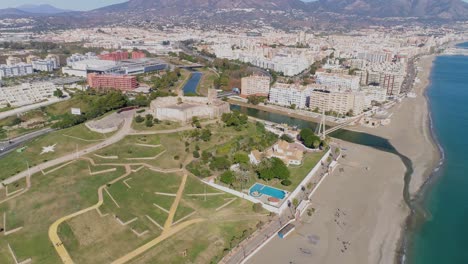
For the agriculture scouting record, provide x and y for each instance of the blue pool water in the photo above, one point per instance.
(267, 190)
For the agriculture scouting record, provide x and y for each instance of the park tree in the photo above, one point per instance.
(58, 93)
(308, 138)
(273, 168)
(287, 138)
(228, 177)
(241, 158)
(139, 119)
(205, 135)
(149, 117)
(220, 163)
(149, 122)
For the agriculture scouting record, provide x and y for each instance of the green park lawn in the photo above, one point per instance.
(15, 162)
(132, 149)
(51, 196)
(163, 125)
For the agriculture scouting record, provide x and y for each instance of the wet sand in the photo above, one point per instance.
(361, 212)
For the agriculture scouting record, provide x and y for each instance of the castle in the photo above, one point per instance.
(184, 108)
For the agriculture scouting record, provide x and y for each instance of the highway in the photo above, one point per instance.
(9, 145)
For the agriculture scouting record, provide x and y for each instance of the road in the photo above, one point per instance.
(125, 130)
(27, 108)
(8, 146)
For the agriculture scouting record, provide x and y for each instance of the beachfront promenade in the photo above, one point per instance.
(250, 246)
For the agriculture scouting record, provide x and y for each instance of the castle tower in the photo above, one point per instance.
(212, 95)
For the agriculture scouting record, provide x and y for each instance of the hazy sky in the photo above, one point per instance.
(72, 4)
(65, 4)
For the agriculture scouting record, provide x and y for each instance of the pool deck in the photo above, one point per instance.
(264, 197)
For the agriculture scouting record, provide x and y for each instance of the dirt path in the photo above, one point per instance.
(53, 229)
(175, 204)
(166, 234)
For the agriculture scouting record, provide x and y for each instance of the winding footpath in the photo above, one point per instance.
(53, 229)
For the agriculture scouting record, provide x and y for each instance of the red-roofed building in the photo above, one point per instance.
(118, 82)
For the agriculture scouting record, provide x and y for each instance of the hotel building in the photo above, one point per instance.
(340, 102)
(341, 81)
(118, 82)
(255, 85)
(290, 94)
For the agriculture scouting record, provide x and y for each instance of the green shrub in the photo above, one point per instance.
(286, 182)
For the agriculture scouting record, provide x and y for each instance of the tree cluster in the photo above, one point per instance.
(273, 168)
(309, 139)
(98, 105)
(235, 119)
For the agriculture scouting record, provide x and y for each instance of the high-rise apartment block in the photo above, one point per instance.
(341, 81)
(255, 85)
(339, 102)
(290, 94)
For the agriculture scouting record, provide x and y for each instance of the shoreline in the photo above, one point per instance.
(420, 137)
(385, 220)
(430, 178)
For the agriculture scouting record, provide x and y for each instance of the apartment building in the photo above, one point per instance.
(26, 93)
(374, 94)
(340, 102)
(290, 94)
(118, 82)
(255, 85)
(19, 69)
(10, 61)
(341, 81)
(44, 65)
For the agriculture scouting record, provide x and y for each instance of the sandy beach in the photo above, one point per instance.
(360, 210)
(409, 131)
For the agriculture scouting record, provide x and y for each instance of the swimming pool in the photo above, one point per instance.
(258, 189)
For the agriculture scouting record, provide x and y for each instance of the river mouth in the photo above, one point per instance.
(417, 213)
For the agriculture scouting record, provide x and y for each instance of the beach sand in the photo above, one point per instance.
(361, 205)
(371, 208)
(409, 131)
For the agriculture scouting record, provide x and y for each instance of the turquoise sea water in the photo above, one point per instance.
(443, 237)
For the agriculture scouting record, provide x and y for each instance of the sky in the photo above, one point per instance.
(65, 4)
(71, 4)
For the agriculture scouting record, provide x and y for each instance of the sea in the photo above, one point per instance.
(443, 236)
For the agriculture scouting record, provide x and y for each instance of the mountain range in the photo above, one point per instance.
(239, 12)
(32, 10)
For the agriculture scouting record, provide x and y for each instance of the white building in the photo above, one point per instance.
(374, 94)
(339, 102)
(81, 68)
(255, 85)
(46, 65)
(79, 57)
(19, 69)
(341, 81)
(290, 94)
(26, 93)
